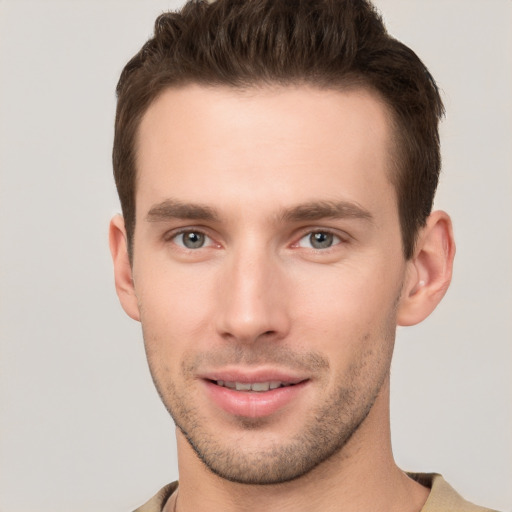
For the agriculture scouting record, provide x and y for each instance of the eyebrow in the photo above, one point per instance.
(317, 210)
(172, 209)
(310, 211)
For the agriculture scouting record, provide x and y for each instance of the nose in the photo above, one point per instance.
(252, 298)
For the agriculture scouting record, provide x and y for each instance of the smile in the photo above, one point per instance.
(258, 387)
(254, 397)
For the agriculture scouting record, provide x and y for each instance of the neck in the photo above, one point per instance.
(362, 476)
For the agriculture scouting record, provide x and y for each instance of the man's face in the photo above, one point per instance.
(267, 269)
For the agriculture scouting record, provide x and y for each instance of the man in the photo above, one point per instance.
(276, 163)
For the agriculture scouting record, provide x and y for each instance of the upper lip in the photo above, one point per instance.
(252, 375)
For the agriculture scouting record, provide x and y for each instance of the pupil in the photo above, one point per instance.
(193, 240)
(321, 240)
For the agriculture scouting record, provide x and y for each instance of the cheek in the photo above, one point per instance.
(349, 295)
(175, 308)
(348, 312)
(166, 290)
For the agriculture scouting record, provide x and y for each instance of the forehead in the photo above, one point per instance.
(291, 144)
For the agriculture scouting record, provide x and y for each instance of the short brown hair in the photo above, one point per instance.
(323, 43)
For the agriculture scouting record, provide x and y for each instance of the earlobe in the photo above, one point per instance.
(430, 270)
(122, 267)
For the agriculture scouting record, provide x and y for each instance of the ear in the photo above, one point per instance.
(122, 267)
(430, 270)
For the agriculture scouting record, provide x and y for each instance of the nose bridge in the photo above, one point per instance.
(251, 301)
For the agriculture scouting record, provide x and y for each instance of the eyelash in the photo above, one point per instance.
(173, 235)
(339, 239)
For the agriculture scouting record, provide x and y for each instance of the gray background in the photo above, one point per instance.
(81, 427)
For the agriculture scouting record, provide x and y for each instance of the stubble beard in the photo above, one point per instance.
(323, 435)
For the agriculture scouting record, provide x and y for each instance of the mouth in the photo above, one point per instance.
(255, 396)
(258, 387)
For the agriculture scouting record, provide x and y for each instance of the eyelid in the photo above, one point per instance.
(343, 237)
(335, 242)
(172, 234)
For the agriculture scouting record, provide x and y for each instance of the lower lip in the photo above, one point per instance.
(253, 404)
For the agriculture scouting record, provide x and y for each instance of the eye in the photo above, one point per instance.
(319, 240)
(192, 239)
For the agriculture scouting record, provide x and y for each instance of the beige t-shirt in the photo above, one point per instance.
(442, 497)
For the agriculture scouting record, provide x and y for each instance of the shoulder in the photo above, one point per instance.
(157, 502)
(443, 497)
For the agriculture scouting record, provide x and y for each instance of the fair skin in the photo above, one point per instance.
(267, 252)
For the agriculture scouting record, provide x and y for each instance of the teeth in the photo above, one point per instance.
(260, 386)
(252, 386)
